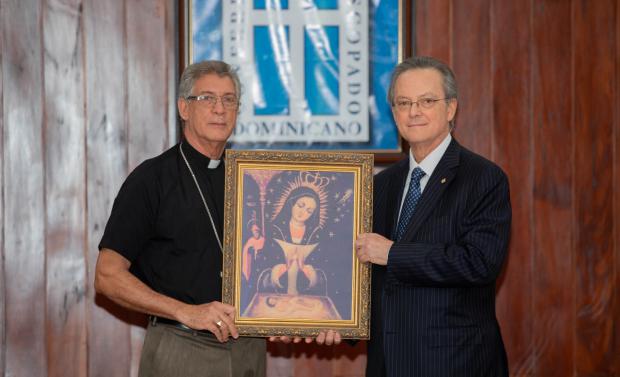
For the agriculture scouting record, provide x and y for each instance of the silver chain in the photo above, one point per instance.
(202, 197)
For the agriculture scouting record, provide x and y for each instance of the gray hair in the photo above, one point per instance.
(421, 62)
(194, 72)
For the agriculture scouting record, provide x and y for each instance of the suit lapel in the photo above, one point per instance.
(395, 195)
(437, 183)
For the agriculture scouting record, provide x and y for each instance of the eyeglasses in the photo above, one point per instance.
(425, 103)
(229, 101)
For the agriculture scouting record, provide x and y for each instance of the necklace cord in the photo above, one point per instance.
(202, 197)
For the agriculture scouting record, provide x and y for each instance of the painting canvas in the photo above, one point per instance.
(291, 223)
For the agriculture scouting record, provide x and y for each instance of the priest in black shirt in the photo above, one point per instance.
(161, 252)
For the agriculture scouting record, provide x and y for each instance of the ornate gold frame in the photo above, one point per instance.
(355, 326)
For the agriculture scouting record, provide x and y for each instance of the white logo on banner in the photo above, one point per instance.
(304, 70)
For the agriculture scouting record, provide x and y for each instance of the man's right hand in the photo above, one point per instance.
(113, 279)
(215, 316)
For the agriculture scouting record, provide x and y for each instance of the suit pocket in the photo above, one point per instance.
(454, 336)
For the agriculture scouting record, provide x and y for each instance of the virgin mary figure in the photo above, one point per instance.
(298, 218)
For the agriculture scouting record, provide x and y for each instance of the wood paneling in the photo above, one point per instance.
(65, 189)
(87, 92)
(472, 20)
(512, 131)
(552, 148)
(2, 200)
(616, 197)
(147, 74)
(594, 43)
(433, 32)
(24, 202)
(106, 166)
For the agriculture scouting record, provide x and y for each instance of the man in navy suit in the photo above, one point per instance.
(440, 237)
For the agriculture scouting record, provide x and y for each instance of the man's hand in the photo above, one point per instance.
(373, 248)
(113, 279)
(287, 339)
(328, 338)
(215, 316)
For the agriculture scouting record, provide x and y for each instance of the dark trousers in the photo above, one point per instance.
(172, 352)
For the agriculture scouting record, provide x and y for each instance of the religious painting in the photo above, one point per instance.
(290, 227)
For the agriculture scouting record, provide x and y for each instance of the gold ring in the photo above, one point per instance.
(218, 323)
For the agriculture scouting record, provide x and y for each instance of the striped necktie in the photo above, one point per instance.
(411, 200)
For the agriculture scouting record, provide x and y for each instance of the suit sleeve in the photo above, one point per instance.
(476, 256)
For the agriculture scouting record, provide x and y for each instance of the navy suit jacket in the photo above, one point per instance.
(433, 305)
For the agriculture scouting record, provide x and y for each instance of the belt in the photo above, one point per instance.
(154, 320)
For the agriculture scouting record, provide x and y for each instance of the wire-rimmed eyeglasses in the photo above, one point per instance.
(404, 104)
(229, 101)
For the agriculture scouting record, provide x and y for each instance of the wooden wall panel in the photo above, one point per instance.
(472, 32)
(301, 360)
(106, 163)
(65, 188)
(349, 361)
(594, 38)
(539, 94)
(552, 146)
(23, 164)
(172, 55)
(433, 32)
(147, 74)
(2, 199)
(616, 197)
(510, 45)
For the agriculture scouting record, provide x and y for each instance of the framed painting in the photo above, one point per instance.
(315, 73)
(291, 220)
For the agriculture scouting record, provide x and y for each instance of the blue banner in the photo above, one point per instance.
(315, 72)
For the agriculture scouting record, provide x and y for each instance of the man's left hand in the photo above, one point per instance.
(373, 248)
(328, 338)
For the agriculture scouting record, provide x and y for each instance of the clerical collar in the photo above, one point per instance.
(198, 159)
(213, 164)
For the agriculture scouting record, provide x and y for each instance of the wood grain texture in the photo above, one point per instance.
(2, 199)
(349, 361)
(552, 147)
(510, 45)
(23, 163)
(308, 360)
(539, 94)
(279, 360)
(106, 163)
(616, 198)
(433, 32)
(172, 53)
(65, 188)
(616, 101)
(594, 43)
(472, 33)
(147, 75)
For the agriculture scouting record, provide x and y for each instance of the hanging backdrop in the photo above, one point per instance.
(315, 72)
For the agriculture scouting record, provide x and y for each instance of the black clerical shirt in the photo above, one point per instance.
(159, 223)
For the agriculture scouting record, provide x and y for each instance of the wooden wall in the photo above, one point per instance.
(87, 92)
(540, 95)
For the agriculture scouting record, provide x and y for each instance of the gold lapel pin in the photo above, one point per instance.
(443, 180)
